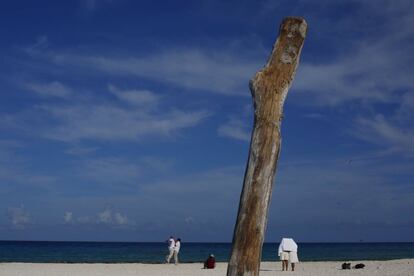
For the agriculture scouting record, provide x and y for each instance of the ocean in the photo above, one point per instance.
(131, 252)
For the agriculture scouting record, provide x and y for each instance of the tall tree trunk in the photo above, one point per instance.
(269, 88)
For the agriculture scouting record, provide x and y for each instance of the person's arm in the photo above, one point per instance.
(280, 250)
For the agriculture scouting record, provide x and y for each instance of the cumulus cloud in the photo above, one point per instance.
(105, 216)
(189, 220)
(120, 219)
(68, 217)
(18, 217)
(110, 217)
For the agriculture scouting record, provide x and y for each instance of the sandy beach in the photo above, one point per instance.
(395, 267)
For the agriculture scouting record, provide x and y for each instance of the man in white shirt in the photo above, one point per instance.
(288, 253)
(177, 250)
(171, 246)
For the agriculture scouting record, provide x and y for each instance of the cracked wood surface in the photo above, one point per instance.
(269, 89)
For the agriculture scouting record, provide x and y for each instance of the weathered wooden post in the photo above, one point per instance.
(269, 88)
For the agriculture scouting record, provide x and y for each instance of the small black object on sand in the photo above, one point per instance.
(359, 266)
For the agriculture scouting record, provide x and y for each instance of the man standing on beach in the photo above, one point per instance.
(288, 253)
(177, 250)
(171, 246)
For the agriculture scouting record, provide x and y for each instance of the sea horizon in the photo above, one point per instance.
(191, 252)
(191, 241)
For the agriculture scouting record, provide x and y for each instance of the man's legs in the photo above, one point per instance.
(284, 265)
(293, 266)
(169, 256)
(175, 257)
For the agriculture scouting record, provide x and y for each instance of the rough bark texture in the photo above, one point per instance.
(269, 88)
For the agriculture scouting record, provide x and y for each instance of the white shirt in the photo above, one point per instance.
(171, 244)
(287, 245)
(177, 246)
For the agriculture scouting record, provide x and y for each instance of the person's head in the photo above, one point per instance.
(211, 256)
(171, 237)
(179, 239)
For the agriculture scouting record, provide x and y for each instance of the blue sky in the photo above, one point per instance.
(130, 120)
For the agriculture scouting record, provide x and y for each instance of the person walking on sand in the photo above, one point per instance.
(171, 245)
(177, 250)
(288, 253)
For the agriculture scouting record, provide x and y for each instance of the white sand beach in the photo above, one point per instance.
(395, 268)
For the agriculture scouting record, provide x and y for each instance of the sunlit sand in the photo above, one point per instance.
(394, 267)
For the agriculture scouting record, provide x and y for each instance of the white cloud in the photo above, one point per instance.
(370, 69)
(19, 217)
(189, 220)
(52, 89)
(78, 118)
(236, 129)
(110, 217)
(216, 71)
(107, 217)
(142, 98)
(68, 217)
(370, 77)
(386, 132)
(121, 219)
(108, 122)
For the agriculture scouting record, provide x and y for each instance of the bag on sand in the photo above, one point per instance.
(359, 266)
(346, 266)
